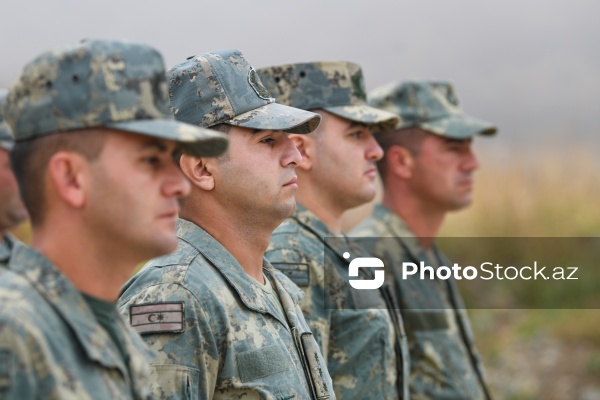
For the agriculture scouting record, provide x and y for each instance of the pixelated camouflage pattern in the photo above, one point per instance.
(52, 347)
(6, 138)
(365, 350)
(337, 87)
(115, 84)
(445, 363)
(429, 105)
(230, 323)
(222, 87)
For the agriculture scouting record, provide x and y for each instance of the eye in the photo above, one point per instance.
(153, 161)
(267, 140)
(357, 134)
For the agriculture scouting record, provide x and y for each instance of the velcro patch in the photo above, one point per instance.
(260, 363)
(157, 317)
(298, 273)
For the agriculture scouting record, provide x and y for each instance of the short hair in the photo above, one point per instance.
(223, 128)
(30, 158)
(409, 138)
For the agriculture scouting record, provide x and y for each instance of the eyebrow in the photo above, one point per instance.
(154, 144)
(354, 125)
(459, 141)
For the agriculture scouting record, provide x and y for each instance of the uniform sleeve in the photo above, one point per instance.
(173, 323)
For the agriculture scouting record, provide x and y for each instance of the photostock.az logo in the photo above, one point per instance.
(365, 262)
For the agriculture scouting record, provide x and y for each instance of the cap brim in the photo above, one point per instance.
(459, 127)
(277, 117)
(6, 145)
(195, 141)
(378, 120)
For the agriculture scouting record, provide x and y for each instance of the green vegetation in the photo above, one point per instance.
(538, 353)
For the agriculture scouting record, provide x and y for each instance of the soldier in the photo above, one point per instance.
(361, 337)
(225, 323)
(12, 211)
(427, 171)
(93, 158)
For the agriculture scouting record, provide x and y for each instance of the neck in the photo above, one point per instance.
(329, 212)
(96, 270)
(245, 240)
(423, 221)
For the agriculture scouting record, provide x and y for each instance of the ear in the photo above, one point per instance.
(306, 146)
(198, 171)
(70, 177)
(400, 162)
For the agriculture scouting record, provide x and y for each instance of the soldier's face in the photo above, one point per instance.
(12, 210)
(443, 173)
(344, 166)
(132, 203)
(256, 178)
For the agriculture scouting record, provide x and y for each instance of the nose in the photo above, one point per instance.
(374, 152)
(470, 163)
(292, 156)
(176, 184)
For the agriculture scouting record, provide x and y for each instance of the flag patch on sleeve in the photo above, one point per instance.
(157, 318)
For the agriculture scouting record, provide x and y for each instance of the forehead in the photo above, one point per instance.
(442, 140)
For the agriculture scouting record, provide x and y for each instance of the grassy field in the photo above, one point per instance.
(534, 353)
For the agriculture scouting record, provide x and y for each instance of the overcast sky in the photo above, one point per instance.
(530, 66)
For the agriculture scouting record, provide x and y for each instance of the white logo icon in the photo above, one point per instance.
(365, 262)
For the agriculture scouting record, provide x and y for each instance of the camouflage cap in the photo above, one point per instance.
(222, 87)
(336, 87)
(101, 83)
(429, 105)
(6, 138)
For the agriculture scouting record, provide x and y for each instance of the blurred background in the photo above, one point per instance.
(532, 67)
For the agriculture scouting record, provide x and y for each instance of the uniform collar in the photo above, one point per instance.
(6, 246)
(311, 222)
(398, 228)
(228, 266)
(68, 302)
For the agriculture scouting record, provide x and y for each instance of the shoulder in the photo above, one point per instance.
(370, 227)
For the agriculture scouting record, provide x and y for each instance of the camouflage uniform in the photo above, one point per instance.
(358, 335)
(218, 335)
(445, 363)
(52, 347)
(362, 338)
(6, 142)
(51, 343)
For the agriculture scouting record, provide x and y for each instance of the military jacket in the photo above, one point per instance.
(362, 341)
(445, 363)
(52, 347)
(6, 246)
(218, 335)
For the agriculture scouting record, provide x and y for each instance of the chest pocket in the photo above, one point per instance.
(291, 264)
(259, 363)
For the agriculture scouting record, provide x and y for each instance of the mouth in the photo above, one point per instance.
(371, 172)
(292, 183)
(171, 215)
(467, 182)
